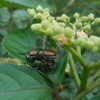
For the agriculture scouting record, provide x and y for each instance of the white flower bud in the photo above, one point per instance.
(39, 9)
(45, 24)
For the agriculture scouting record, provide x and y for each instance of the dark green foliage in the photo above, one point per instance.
(20, 83)
(24, 83)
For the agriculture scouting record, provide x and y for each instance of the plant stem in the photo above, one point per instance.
(89, 89)
(77, 55)
(93, 78)
(75, 74)
(78, 49)
(95, 65)
(84, 80)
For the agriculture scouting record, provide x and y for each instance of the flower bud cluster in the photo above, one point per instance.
(14, 60)
(91, 43)
(39, 13)
(85, 22)
(50, 26)
(63, 31)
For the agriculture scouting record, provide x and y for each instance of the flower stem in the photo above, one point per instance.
(93, 78)
(78, 49)
(77, 55)
(95, 65)
(75, 74)
(89, 89)
(84, 80)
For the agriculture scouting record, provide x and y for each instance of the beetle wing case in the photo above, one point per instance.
(42, 59)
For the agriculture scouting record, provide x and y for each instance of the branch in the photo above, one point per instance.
(95, 65)
(75, 74)
(77, 55)
(89, 89)
(84, 80)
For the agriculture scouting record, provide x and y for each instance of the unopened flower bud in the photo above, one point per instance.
(89, 44)
(59, 18)
(81, 41)
(35, 27)
(68, 18)
(64, 17)
(72, 41)
(54, 23)
(38, 16)
(46, 14)
(90, 17)
(94, 38)
(79, 24)
(31, 12)
(58, 30)
(45, 24)
(81, 34)
(69, 33)
(97, 21)
(76, 15)
(44, 18)
(28, 10)
(95, 49)
(51, 19)
(62, 39)
(84, 19)
(98, 43)
(39, 9)
(87, 27)
(61, 24)
(49, 32)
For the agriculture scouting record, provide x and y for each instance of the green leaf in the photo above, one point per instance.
(96, 97)
(20, 41)
(60, 68)
(21, 83)
(24, 3)
(19, 16)
(4, 16)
